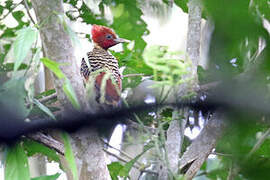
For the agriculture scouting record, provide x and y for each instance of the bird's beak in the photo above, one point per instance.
(120, 40)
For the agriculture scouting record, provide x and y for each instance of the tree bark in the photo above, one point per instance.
(203, 145)
(175, 137)
(37, 166)
(194, 34)
(175, 133)
(58, 47)
(90, 155)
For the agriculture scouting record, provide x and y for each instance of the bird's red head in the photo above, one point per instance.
(105, 37)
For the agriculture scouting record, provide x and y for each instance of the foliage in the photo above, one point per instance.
(166, 67)
(16, 163)
(22, 44)
(234, 52)
(69, 156)
(116, 169)
(183, 4)
(67, 88)
(13, 94)
(32, 148)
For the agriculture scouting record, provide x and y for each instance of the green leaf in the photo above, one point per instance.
(33, 147)
(44, 109)
(69, 91)
(89, 17)
(67, 88)
(46, 93)
(13, 94)
(69, 155)
(114, 169)
(183, 4)
(9, 4)
(9, 32)
(167, 69)
(51, 177)
(2, 58)
(16, 164)
(35, 111)
(1, 9)
(18, 15)
(53, 66)
(22, 44)
(129, 15)
(124, 172)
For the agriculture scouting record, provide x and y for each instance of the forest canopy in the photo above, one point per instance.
(218, 86)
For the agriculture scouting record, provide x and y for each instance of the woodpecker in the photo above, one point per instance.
(99, 59)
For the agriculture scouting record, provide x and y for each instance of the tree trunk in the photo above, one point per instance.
(37, 166)
(194, 34)
(58, 47)
(175, 133)
(203, 145)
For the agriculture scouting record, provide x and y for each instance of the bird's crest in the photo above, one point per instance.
(100, 36)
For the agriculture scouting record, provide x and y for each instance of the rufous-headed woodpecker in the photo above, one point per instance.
(99, 58)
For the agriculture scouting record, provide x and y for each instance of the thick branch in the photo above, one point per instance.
(203, 145)
(175, 136)
(57, 46)
(48, 141)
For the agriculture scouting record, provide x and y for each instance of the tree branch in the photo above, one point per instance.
(140, 126)
(119, 150)
(125, 161)
(48, 141)
(47, 98)
(203, 145)
(194, 34)
(58, 46)
(259, 143)
(132, 75)
(28, 11)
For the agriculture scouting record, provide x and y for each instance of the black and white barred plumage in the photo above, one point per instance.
(100, 59)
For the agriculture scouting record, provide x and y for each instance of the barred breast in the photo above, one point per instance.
(101, 59)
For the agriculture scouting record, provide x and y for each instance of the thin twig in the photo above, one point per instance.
(221, 154)
(114, 155)
(47, 98)
(208, 86)
(28, 11)
(259, 143)
(44, 99)
(132, 75)
(139, 126)
(119, 150)
(123, 160)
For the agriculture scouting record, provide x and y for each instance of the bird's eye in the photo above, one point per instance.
(109, 36)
